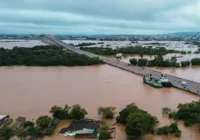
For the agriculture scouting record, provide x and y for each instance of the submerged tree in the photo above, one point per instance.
(124, 113)
(140, 123)
(104, 133)
(77, 112)
(43, 121)
(107, 112)
(5, 133)
(166, 110)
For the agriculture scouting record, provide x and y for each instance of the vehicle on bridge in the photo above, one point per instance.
(165, 81)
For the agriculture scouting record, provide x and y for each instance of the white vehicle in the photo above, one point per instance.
(184, 83)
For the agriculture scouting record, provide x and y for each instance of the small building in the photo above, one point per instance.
(118, 55)
(85, 128)
(4, 119)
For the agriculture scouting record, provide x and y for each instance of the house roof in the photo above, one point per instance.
(21, 119)
(82, 124)
(3, 116)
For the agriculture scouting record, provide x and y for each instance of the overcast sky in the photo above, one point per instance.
(99, 16)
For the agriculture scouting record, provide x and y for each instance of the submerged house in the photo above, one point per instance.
(85, 128)
(3, 119)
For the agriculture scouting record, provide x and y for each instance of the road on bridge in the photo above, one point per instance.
(192, 86)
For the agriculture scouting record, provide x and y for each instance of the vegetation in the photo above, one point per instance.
(5, 133)
(124, 113)
(87, 44)
(185, 63)
(196, 43)
(43, 56)
(107, 112)
(149, 50)
(188, 112)
(77, 112)
(157, 61)
(43, 121)
(133, 61)
(166, 110)
(74, 112)
(142, 62)
(138, 122)
(28, 124)
(104, 131)
(195, 61)
(60, 113)
(45, 127)
(172, 129)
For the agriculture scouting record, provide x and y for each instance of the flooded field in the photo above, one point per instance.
(32, 91)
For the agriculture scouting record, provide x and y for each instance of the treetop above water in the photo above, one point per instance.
(44, 56)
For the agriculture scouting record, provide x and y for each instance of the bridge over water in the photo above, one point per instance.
(192, 86)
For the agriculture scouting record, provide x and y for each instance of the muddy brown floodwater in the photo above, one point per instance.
(32, 91)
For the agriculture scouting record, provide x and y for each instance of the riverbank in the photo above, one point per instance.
(62, 85)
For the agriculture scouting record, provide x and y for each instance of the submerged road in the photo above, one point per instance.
(192, 86)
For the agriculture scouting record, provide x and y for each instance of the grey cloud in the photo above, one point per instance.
(99, 16)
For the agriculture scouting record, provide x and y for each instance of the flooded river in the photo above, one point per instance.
(32, 91)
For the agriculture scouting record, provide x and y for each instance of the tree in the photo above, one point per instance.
(54, 109)
(141, 54)
(61, 114)
(77, 112)
(140, 123)
(142, 62)
(124, 113)
(35, 132)
(185, 63)
(28, 124)
(133, 61)
(43, 121)
(104, 131)
(172, 129)
(189, 112)
(107, 112)
(5, 133)
(166, 110)
(22, 135)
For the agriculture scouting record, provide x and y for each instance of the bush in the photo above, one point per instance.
(189, 112)
(142, 62)
(28, 124)
(185, 63)
(166, 110)
(133, 61)
(195, 61)
(172, 129)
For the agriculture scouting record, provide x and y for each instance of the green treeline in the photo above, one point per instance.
(188, 112)
(43, 56)
(157, 61)
(160, 62)
(129, 50)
